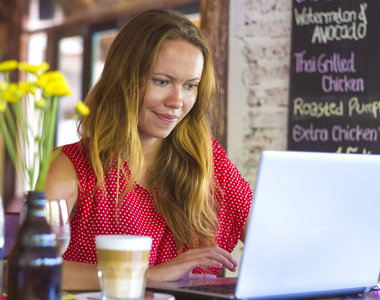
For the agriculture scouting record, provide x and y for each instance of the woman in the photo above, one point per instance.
(146, 163)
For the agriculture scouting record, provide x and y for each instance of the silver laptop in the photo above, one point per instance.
(314, 230)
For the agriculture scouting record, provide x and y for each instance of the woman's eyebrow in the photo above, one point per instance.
(171, 77)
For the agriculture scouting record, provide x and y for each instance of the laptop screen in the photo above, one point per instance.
(313, 224)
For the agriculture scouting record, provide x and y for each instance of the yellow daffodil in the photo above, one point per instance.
(8, 65)
(12, 93)
(82, 109)
(54, 84)
(3, 106)
(34, 69)
(40, 103)
(48, 77)
(27, 87)
(57, 89)
(3, 86)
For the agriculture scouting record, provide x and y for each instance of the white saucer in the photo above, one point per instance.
(98, 296)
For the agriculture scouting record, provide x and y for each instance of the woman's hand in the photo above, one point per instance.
(182, 265)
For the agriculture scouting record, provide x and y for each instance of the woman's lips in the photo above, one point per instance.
(166, 118)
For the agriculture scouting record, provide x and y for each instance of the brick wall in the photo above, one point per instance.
(258, 80)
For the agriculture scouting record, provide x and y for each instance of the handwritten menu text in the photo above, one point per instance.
(335, 76)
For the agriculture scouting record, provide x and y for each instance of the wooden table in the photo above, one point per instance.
(372, 295)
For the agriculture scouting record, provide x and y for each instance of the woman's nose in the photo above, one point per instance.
(175, 98)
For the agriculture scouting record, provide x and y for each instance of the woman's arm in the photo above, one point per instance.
(83, 277)
(62, 181)
(79, 276)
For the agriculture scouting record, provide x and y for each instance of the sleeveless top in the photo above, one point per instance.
(95, 214)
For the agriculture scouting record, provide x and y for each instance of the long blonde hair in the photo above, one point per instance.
(181, 180)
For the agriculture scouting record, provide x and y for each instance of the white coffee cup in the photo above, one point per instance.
(122, 264)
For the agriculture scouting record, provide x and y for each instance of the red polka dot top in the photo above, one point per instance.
(138, 215)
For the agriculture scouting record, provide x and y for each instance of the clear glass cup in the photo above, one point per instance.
(57, 215)
(122, 264)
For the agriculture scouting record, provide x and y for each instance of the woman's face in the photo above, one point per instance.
(172, 90)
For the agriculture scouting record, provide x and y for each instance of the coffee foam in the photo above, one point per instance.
(123, 242)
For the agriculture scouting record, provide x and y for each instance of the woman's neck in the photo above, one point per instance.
(150, 149)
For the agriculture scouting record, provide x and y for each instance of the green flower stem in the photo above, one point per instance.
(11, 147)
(40, 186)
(41, 145)
(11, 123)
(53, 119)
(7, 77)
(22, 126)
(8, 138)
(31, 178)
(38, 138)
(25, 130)
(21, 119)
(13, 135)
(46, 125)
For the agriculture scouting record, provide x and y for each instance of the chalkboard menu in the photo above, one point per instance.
(334, 95)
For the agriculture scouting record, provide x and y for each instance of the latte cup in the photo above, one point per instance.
(122, 264)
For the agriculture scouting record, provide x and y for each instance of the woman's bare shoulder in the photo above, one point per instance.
(62, 165)
(62, 180)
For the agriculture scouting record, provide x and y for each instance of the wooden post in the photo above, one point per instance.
(14, 22)
(214, 24)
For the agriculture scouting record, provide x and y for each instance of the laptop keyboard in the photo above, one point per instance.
(226, 288)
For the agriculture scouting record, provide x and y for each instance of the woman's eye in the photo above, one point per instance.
(160, 82)
(191, 86)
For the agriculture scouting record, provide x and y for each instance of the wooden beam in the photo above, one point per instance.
(214, 24)
(78, 12)
(12, 52)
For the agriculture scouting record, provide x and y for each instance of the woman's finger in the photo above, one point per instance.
(214, 254)
(182, 265)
